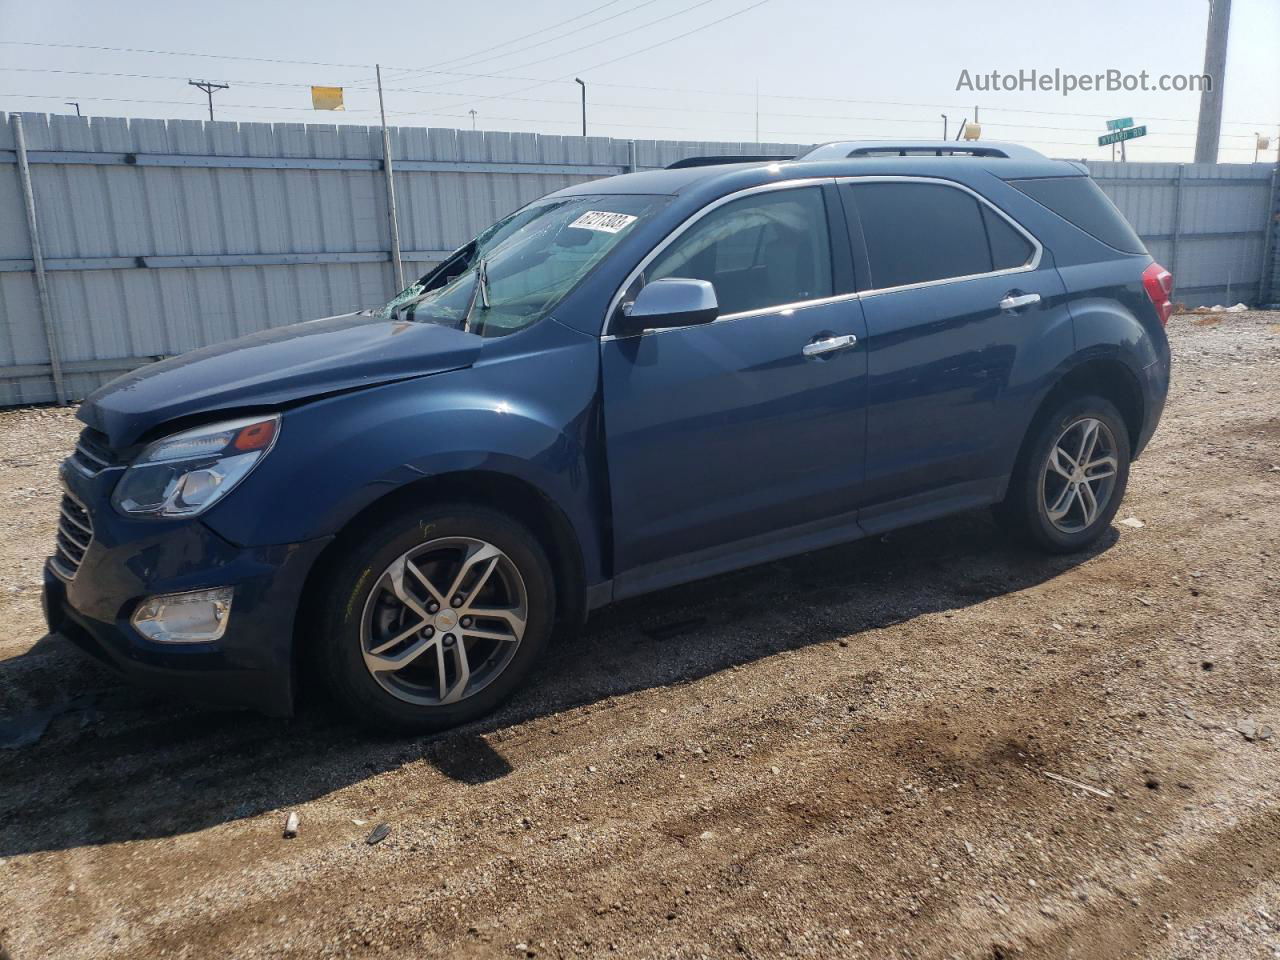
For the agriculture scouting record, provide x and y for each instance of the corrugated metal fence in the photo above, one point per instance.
(161, 236)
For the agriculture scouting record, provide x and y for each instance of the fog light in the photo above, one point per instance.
(196, 617)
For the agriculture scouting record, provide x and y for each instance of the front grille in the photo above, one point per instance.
(92, 454)
(75, 533)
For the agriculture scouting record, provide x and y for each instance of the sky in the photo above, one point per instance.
(798, 71)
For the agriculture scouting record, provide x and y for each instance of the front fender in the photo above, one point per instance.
(527, 415)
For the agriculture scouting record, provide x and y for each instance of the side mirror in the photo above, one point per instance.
(673, 302)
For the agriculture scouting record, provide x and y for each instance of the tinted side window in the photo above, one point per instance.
(917, 232)
(1081, 201)
(760, 251)
(1009, 248)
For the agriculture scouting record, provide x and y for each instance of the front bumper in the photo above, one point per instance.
(251, 665)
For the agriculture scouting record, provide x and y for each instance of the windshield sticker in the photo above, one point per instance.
(604, 221)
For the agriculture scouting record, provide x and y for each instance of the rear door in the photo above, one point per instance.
(957, 296)
(727, 440)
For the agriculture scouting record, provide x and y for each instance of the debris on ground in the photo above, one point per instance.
(378, 834)
(1077, 784)
(291, 825)
(1132, 522)
(1251, 730)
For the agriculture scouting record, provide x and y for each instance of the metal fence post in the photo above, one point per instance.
(393, 219)
(1177, 222)
(632, 165)
(1270, 275)
(37, 260)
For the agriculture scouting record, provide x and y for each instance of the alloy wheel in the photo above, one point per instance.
(1079, 475)
(444, 621)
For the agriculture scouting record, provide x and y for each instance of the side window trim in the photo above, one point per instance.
(859, 242)
(698, 215)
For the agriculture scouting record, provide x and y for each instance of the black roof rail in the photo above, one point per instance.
(935, 148)
(727, 158)
(915, 151)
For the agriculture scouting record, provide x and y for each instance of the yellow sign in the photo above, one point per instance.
(327, 98)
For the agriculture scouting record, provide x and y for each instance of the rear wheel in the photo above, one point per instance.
(435, 617)
(1071, 476)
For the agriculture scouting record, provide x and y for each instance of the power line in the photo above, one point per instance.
(540, 81)
(496, 56)
(178, 53)
(615, 36)
(633, 53)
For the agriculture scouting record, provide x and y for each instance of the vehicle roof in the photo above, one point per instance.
(832, 160)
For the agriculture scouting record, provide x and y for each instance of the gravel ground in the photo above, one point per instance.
(845, 754)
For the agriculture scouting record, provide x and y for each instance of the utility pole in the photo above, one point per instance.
(72, 103)
(472, 111)
(208, 89)
(396, 265)
(584, 104)
(1209, 127)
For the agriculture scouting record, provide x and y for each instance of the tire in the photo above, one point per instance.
(373, 599)
(1033, 507)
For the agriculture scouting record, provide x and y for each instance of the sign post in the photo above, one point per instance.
(1121, 130)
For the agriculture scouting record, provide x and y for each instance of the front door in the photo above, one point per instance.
(728, 440)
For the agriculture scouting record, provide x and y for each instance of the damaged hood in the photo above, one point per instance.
(276, 367)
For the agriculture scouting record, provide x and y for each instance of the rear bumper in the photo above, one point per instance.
(1155, 390)
(251, 665)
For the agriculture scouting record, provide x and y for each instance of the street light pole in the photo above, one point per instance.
(72, 103)
(584, 104)
(208, 89)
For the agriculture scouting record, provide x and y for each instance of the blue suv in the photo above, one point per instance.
(628, 384)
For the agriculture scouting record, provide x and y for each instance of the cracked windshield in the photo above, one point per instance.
(518, 269)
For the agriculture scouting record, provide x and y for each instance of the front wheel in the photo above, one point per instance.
(1070, 479)
(434, 617)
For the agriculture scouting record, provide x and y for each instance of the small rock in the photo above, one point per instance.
(707, 835)
(291, 826)
(1251, 730)
(1133, 522)
(378, 834)
(775, 771)
(591, 769)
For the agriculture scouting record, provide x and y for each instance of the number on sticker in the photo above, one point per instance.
(603, 220)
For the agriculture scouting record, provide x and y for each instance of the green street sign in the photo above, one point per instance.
(1120, 124)
(1130, 134)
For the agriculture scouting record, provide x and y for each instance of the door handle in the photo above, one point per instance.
(829, 345)
(1016, 301)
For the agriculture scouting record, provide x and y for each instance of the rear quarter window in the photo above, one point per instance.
(1081, 202)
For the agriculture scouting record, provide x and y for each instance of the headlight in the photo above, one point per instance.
(185, 474)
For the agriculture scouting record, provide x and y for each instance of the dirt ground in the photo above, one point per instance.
(847, 754)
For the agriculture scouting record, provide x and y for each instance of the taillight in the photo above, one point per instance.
(1158, 282)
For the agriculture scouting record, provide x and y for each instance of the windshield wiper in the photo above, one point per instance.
(479, 292)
